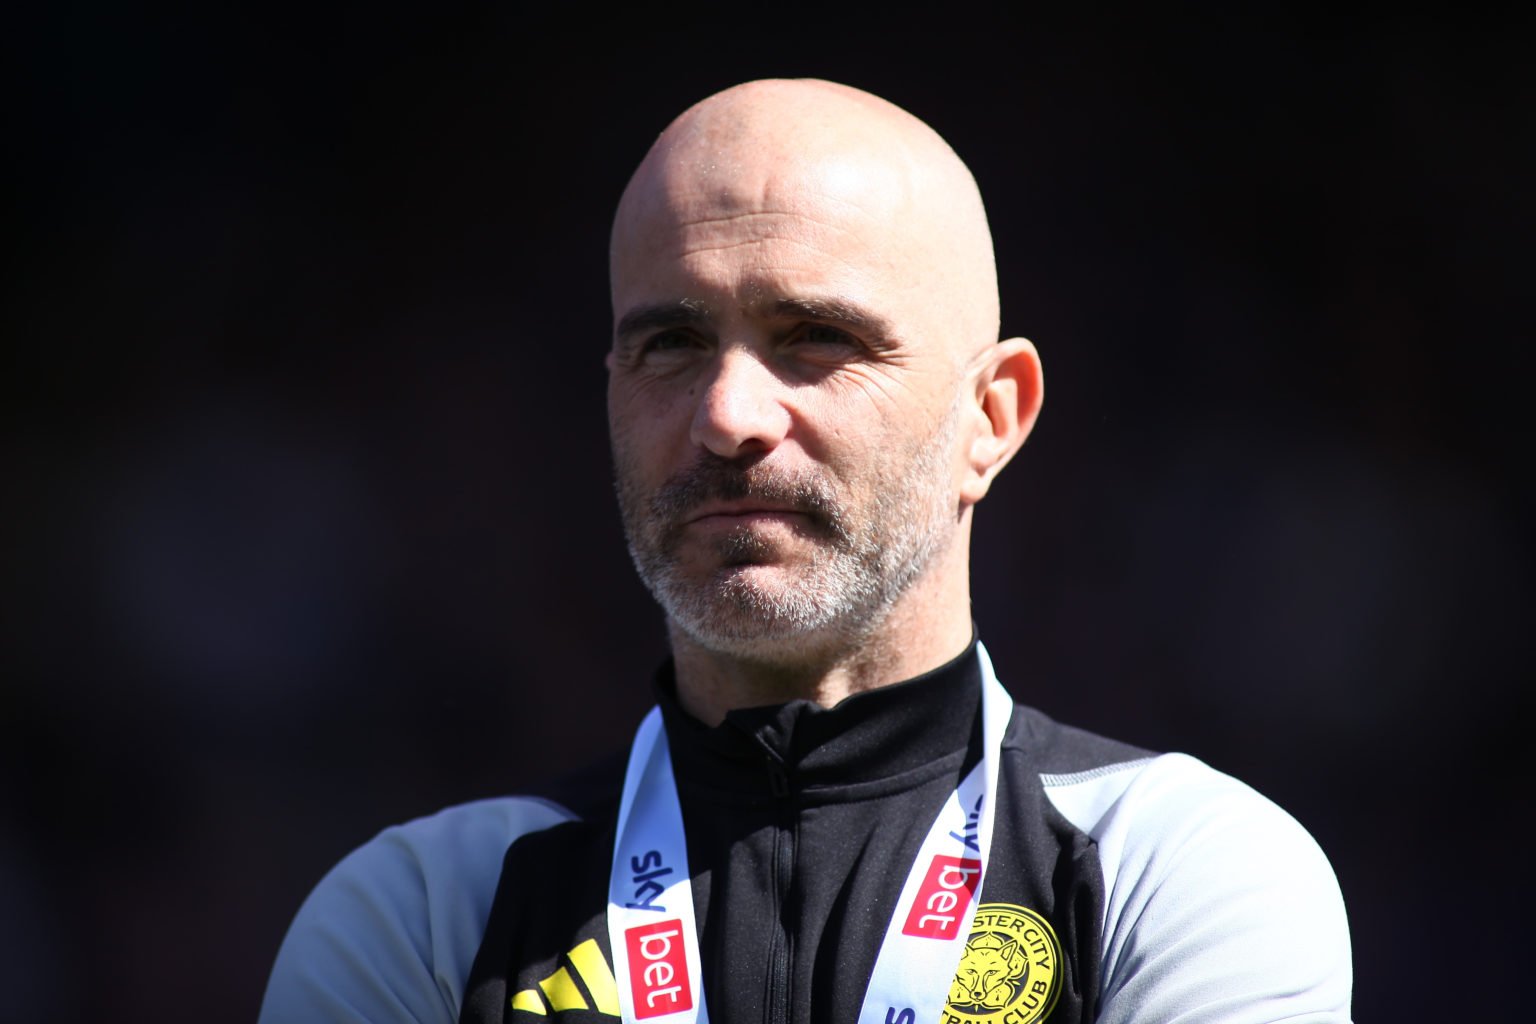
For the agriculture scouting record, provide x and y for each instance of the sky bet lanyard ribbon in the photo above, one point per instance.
(651, 927)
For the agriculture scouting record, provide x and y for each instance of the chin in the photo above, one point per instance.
(764, 613)
(762, 643)
(780, 608)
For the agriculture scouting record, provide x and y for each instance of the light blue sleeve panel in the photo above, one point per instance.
(390, 934)
(1219, 907)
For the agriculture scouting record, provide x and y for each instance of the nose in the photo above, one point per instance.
(740, 410)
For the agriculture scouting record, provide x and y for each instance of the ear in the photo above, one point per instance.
(1009, 390)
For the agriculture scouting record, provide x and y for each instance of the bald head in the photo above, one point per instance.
(844, 172)
(806, 391)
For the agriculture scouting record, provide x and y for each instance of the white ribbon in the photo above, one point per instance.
(651, 925)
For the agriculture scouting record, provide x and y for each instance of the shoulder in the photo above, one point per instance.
(1054, 749)
(1218, 904)
(391, 932)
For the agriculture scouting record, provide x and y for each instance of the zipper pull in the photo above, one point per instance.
(778, 781)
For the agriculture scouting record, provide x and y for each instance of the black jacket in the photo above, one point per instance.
(802, 825)
(1121, 888)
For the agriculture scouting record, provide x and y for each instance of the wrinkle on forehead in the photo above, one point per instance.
(820, 160)
(815, 234)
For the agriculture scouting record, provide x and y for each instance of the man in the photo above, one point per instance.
(835, 813)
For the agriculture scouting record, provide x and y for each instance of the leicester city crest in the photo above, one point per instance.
(1010, 972)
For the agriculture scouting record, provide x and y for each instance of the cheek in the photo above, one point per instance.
(636, 405)
(644, 398)
(647, 429)
(864, 431)
(635, 460)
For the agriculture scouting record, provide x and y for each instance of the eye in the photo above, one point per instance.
(825, 335)
(670, 341)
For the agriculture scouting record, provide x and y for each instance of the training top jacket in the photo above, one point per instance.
(1122, 886)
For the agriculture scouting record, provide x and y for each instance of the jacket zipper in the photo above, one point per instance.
(776, 1003)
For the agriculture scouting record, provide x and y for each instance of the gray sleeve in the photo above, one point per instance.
(1219, 907)
(390, 933)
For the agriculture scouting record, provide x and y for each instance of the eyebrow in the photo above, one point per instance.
(663, 315)
(836, 311)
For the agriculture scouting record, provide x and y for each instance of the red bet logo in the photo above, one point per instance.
(658, 968)
(945, 897)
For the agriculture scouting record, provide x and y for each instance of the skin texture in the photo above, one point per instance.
(806, 394)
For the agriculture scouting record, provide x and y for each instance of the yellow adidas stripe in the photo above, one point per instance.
(528, 1000)
(561, 989)
(593, 969)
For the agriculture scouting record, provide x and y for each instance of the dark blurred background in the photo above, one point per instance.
(307, 526)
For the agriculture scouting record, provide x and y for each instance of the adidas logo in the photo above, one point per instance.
(584, 983)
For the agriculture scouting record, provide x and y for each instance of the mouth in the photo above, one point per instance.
(743, 513)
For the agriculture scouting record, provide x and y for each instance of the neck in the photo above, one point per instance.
(926, 627)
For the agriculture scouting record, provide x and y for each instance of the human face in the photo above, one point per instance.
(784, 422)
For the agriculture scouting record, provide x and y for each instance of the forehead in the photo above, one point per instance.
(770, 227)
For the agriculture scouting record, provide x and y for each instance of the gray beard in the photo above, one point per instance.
(859, 569)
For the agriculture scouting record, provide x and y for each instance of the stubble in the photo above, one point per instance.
(869, 541)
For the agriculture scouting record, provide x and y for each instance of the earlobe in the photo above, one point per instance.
(1010, 388)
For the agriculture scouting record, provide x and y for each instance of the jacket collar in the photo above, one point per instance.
(897, 735)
